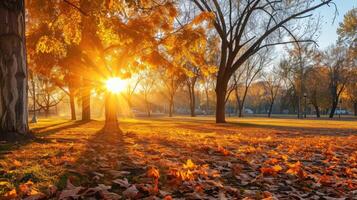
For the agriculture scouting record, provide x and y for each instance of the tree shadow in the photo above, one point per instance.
(103, 157)
(49, 130)
(39, 129)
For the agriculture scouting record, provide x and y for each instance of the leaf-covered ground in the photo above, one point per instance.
(183, 158)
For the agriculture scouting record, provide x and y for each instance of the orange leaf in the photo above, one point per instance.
(189, 164)
(271, 170)
(11, 194)
(153, 173)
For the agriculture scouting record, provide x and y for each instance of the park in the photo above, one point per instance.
(178, 99)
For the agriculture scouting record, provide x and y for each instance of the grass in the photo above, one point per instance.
(195, 157)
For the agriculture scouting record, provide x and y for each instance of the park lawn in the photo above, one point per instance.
(181, 157)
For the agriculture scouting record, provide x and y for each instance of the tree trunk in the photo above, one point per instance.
(241, 107)
(333, 108)
(148, 106)
(171, 106)
(355, 108)
(207, 101)
(317, 110)
(111, 113)
(192, 98)
(270, 108)
(73, 106)
(221, 90)
(86, 114)
(13, 71)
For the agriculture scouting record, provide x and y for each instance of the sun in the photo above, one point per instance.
(115, 85)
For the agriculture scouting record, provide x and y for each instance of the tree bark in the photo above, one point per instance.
(13, 71)
(111, 113)
(192, 98)
(221, 90)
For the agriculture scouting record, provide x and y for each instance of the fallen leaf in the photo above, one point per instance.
(122, 182)
(131, 192)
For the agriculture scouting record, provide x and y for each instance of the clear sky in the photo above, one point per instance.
(328, 32)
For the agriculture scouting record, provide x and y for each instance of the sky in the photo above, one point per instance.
(328, 34)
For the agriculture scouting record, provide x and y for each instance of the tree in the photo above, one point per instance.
(172, 81)
(191, 81)
(272, 85)
(338, 66)
(317, 89)
(131, 87)
(244, 77)
(352, 93)
(48, 95)
(146, 88)
(242, 37)
(13, 74)
(53, 37)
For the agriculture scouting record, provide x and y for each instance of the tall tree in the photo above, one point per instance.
(246, 27)
(272, 85)
(338, 66)
(13, 74)
(317, 88)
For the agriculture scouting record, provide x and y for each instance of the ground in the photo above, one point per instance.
(184, 158)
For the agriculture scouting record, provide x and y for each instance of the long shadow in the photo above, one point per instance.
(39, 136)
(103, 155)
(38, 129)
(49, 130)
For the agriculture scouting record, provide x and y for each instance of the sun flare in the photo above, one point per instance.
(115, 85)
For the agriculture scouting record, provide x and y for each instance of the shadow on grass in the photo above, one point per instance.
(49, 130)
(38, 136)
(39, 129)
(104, 153)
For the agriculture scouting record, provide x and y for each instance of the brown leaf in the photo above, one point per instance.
(122, 182)
(131, 192)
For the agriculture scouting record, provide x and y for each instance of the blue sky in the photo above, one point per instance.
(328, 34)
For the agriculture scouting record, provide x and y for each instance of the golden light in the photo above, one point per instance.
(115, 85)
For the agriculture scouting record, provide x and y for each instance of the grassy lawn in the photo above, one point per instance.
(184, 158)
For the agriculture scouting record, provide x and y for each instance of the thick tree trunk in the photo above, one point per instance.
(86, 113)
(111, 113)
(221, 90)
(317, 110)
(13, 71)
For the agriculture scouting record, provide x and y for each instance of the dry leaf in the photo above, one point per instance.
(131, 192)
